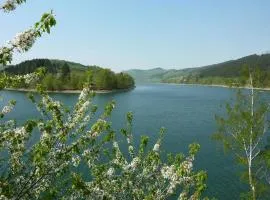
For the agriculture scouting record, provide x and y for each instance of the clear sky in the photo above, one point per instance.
(125, 34)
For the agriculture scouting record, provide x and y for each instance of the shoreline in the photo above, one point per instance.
(215, 85)
(69, 91)
(126, 90)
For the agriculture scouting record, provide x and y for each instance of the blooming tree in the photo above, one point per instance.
(42, 158)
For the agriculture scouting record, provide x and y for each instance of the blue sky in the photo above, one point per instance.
(144, 34)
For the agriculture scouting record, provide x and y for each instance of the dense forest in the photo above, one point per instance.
(226, 73)
(65, 75)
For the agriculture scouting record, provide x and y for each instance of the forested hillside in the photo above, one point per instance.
(146, 76)
(223, 73)
(65, 75)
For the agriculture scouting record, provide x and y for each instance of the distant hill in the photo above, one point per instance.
(232, 68)
(211, 74)
(146, 76)
(52, 65)
(72, 65)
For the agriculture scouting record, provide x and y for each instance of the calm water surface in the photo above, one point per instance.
(187, 113)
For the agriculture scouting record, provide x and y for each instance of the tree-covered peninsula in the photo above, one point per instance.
(65, 75)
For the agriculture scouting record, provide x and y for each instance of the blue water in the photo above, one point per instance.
(187, 113)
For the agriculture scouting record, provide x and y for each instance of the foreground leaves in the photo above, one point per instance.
(43, 158)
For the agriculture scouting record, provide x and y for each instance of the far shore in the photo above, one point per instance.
(68, 91)
(215, 85)
(125, 90)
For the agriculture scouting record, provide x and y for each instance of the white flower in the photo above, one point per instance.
(7, 109)
(134, 163)
(45, 135)
(187, 165)
(57, 104)
(76, 160)
(41, 126)
(95, 134)
(84, 107)
(167, 172)
(156, 147)
(20, 131)
(171, 189)
(84, 94)
(9, 5)
(115, 144)
(24, 41)
(130, 149)
(182, 196)
(110, 172)
(2, 197)
(28, 78)
(5, 54)
(86, 152)
(128, 140)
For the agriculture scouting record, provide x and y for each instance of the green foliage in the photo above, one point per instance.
(65, 72)
(25, 40)
(124, 81)
(64, 75)
(243, 132)
(228, 73)
(41, 158)
(146, 76)
(46, 22)
(50, 167)
(105, 79)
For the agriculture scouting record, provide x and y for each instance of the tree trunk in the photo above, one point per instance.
(251, 184)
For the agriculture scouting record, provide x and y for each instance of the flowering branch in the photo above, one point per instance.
(11, 5)
(25, 40)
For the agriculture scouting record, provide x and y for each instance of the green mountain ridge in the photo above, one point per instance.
(146, 76)
(221, 73)
(74, 65)
(29, 66)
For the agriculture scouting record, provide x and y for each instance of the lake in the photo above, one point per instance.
(187, 113)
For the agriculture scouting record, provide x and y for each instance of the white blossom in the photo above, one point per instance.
(84, 93)
(86, 152)
(9, 5)
(167, 172)
(128, 140)
(29, 78)
(115, 144)
(76, 160)
(134, 163)
(24, 41)
(3, 197)
(187, 165)
(7, 109)
(20, 131)
(130, 148)
(110, 171)
(156, 147)
(5, 55)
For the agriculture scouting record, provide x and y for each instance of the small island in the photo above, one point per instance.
(70, 77)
